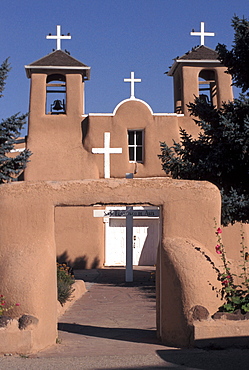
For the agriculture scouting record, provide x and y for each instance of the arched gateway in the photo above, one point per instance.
(28, 248)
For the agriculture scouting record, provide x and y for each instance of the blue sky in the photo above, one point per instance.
(113, 37)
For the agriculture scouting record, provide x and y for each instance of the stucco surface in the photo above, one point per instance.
(187, 280)
(79, 237)
(27, 232)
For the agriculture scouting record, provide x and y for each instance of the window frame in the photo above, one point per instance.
(135, 145)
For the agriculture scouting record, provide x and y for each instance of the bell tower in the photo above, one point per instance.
(55, 119)
(199, 73)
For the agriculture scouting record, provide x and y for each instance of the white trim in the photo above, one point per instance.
(174, 66)
(135, 145)
(99, 114)
(55, 67)
(17, 150)
(134, 99)
(30, 68)
(112, 114)
(198, 61)
(169, 114)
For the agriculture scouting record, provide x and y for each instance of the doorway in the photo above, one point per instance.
(145, 236)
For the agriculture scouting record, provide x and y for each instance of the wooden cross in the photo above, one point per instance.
(202, 33)
(132, 80)
(106, 151)
(58, 37)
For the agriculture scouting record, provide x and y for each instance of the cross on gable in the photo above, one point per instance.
(106, 151)
(202, 33)
(132, 80)
(58, 37)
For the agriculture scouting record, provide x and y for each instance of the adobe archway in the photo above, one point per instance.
(28, 246)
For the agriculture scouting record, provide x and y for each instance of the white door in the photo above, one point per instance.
(145, 242)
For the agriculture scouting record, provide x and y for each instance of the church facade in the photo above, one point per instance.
(85, 170)
(68, 144)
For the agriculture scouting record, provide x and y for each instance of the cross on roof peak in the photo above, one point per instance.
(202, 33)
(58, 37)
(132, 80)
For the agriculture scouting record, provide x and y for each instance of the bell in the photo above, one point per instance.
(57, 105)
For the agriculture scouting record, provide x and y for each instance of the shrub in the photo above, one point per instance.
(65, 280)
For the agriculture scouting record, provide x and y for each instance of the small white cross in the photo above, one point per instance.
(132, 80)
(58, 37)
(106, 151)
(202, 33)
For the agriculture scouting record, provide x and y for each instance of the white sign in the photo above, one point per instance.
(124, 213)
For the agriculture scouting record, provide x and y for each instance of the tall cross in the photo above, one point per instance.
(58, 37)
(132, 80)
(202, 33)
(106, 151)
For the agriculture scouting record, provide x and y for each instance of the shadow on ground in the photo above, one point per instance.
(229, 359)
(123, 334)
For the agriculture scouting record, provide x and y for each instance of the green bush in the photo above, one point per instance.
(65, 280)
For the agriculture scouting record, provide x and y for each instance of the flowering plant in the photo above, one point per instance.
(236, 296)
(3, 307)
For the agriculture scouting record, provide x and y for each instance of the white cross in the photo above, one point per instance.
(58, 37)
(106, 151)
(202, 33)
(129, 238)
(132, 80)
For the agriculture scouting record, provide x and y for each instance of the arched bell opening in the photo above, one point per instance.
(207, 86)
(56, 94)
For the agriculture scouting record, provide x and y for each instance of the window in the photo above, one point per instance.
(56, 94)
(207, 86)
(135, 145)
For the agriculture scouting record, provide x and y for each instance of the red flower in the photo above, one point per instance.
(219, 231)
(17, 304)
(217, 248)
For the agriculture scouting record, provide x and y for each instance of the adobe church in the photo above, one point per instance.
(85, 170)
(67, 145)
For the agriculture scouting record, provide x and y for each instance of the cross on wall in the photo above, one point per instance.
(107, 150)
(202, 33)
(58, 37)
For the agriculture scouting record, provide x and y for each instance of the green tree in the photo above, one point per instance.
(220, 154)
(10, 129)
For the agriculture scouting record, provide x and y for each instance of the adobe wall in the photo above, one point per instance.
(28, 255)
(79, 237)
(57, 139)
(134, 115)
(190, 86)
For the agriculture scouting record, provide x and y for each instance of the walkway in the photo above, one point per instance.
(112, 317)
(113, 327)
